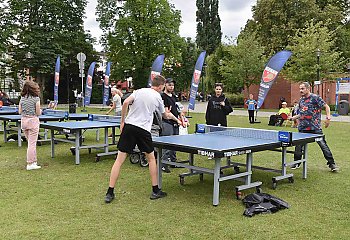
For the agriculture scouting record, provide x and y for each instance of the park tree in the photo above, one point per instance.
(278, 20)
(239, 69)
(135, 32)
(208, 25)
(46, 29)
(181, 68)
(303, 65)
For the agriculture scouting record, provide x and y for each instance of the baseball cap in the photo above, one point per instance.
(284, 103)
(170, 80)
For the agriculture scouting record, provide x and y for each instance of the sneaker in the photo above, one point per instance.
(166, 169)
(109, 197)
(333, 167)
(295, 166)
(157, 195)
(33, 166)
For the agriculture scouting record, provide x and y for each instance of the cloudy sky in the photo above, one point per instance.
(233, 13)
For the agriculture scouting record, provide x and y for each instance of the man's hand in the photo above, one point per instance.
(327, 122)
(121, 126)
(222, 103)
(179, 122)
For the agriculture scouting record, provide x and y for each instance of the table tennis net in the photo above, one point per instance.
(104, 118)
(58, 113)
(242, 132)
(8, 108)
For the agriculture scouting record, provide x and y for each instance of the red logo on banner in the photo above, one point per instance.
(269, 74)
(153, 74)
(57, 78)
(89, 81)
(106, 81)
(196, 76)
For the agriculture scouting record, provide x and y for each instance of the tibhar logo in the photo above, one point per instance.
(235, 153)
(206, 153)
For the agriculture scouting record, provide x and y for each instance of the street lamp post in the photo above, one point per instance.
(318, 54)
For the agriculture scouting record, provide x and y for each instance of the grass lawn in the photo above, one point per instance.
(66, 201)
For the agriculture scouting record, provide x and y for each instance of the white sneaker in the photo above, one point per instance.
(33, 166)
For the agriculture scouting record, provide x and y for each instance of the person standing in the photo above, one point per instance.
(136, 130)
(29, 108)
(170, 126)
(251, 104)
(309, 116)
(116, 102)
(218, 108)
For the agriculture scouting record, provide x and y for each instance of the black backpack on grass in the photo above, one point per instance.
(257, 203)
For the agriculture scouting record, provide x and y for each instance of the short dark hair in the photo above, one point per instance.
(219, 85)
(158, 80)
(306, 84)
(30, 88)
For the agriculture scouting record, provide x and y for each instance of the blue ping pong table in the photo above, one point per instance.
(6, 110)
(219, 143)
(47, 115)
(95, 121)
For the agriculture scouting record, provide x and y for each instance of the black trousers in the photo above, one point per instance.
(323, 145)
(251, 115)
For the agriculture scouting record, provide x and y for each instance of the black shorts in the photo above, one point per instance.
(132, 136)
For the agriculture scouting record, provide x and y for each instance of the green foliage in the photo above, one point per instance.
(240, 69)
(277, 21)
(139, 32)
(235, 99)
(208, 25)
(47, 29)
(181, 69)
(303, 63)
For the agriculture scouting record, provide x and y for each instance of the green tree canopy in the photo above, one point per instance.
(303, 63)
(243, 64)
(135, 32)
(278, 20)
(208, 25)
(46, 29)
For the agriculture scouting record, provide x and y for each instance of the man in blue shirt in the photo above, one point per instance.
(251, 103)
(309, 116)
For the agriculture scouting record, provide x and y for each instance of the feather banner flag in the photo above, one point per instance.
(271, 71)
(156, 68)
(106, 84)
(56, 80)
(195, 79)
(88, 85)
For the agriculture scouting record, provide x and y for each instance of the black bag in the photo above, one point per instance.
(265, 207)
(257, 203)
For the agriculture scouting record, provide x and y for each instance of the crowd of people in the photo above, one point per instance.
(137, 116)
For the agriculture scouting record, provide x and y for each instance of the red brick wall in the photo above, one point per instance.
(290, 91)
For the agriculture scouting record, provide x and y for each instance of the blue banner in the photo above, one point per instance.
(56, 81)
(195, 79)
(156, 69)
(106, 84)
(271, 71)
(88, 86)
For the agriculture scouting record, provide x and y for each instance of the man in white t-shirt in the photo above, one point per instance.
(117, 102)
(136, 129)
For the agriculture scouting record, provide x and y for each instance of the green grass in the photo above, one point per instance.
(65, 201)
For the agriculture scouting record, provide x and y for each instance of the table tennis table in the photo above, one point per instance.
(7, 110)
(47, 115)
(95, 121)
(218, 143)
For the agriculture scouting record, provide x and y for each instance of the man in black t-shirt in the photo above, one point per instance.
(170, 127)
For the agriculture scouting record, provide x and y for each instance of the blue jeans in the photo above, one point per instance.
(168, 130)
